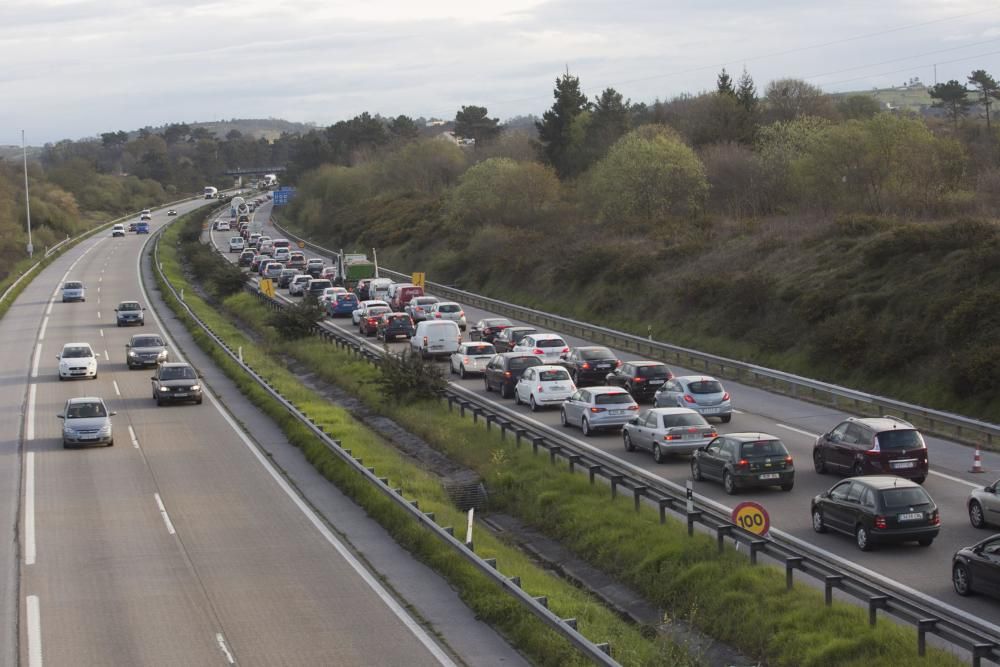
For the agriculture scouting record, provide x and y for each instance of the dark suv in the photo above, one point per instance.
(640, 378)
(589, 365)
(504, 370)
(872, 446)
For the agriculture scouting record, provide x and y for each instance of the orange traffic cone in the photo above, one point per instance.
(977, 462)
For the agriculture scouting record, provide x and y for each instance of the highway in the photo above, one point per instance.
(181, 544)
(797, 423)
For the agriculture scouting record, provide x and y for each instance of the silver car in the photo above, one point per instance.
(701, 393)
(598, 408)
(145, 350)
(471, 358)
(984, 506)
(73, 290)
(419, 306)
(86, 421)
(298, 284)
(667, 432)
(448, 310)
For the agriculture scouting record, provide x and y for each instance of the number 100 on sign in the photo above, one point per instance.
(752, 517)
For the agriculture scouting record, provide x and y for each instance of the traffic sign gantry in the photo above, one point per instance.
(752, 517)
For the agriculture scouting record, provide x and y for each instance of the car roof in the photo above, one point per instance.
(591, 347)
(65, 345)
(695, 378)
(673, 411)
(643, 362)
(146, 335)
(175, 364)
(605, 390)
(886, 482)
(120, 303)
(880, 424)
(546, 336)
(85, 399)
(752, 436)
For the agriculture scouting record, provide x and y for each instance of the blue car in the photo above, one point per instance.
(142, 228)
(343, 304)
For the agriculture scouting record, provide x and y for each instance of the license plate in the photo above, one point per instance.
(710, 410)
(656, 382)
(88, 437)
(769, 475)
(436, 347)
(603, 366)
(913, 516)
(903, 464)
(181, 394)
(557, 388)
(617, 412)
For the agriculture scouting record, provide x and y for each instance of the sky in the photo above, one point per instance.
(76, 68)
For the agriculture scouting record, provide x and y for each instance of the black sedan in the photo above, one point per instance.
(589, 365)
(640, 378)
(976, 569)
(176, 382)
(878, 509)
(742, 460)
(394, 325)
(511, 336)
(486, 330)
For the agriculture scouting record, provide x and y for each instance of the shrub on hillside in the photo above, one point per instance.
(502, 191)
(975, 370)
(406, 377)
(297, 321)
(735, 175)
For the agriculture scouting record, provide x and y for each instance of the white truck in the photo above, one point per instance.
(210, 192)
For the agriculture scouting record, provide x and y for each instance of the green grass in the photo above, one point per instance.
(747, 606)
(542, 645)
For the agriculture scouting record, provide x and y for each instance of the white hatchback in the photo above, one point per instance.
(472, 358)
(543, 385)
(548, 346)
(236, 244)
(77, 360)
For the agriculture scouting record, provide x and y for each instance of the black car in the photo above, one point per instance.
(589, 365)
(145, 350)
(314, 267)
(246, 258)
(394, 325)
(976, 569)
(639, 378)
(176, 382)
(504, 370)
(877, 508)
(511, 336)
(487, 330)
(742, 460)
(286, 277)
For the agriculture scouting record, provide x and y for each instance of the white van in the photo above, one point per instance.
(378, 288)
(438, 337)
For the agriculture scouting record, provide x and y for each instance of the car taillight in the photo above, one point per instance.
(598, 409)
(710, 434)
(670, 376)
(689, 399)
(461, 313)
(585, 366)
(487, 331)
(506, 374)
(633, 407)
(618, 363)
(788, 460)
(671, 437)
(425, 341)
(935, 518)
(743, 463)
(880, 522)
(537, 351)
(565, 350)
(540, 389)
(465, 360)
(638, 379)
(725, 396)
(437, 315)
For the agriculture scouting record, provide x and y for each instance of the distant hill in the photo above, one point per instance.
(268, 128)
(913, 97)
(14, 152)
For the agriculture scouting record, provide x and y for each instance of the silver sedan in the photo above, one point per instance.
(471, 358)
(667, 432)
(984, 506)
(598, 409)
(701, 393)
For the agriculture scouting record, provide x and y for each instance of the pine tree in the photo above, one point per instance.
(953, 97)
(746, 92)
(988, 91)
(554, 128)
(724, 83)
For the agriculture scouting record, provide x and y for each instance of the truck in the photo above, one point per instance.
(353, 267)
(238, 209)
(210, 192)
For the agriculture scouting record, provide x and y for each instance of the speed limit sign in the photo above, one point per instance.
(752, 517)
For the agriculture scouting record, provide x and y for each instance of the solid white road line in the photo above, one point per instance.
(34, 362)
(29, 509)
(34, 632)
(225, 649)
(118, 392)
(45, 325)
(798, 430)
(48, 311)
(131, 435)
(163, 513)
(29, 414)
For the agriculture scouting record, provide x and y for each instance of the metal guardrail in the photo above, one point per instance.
(538, 606)
(961, 428)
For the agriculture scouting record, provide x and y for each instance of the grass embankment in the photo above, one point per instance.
(630, 645)
(724, 595)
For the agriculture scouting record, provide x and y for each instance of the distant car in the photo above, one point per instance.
(667, 432)
(984, 506)
(590, 364)
(742, 460)
(73, 290)
(345, 304)
(368, 323)
(329, 273)
(404, 294)
(361, 288)
(286, 277)
(549, 347)
(419, 306)
(297, 260)
(872, 446)
(264, 263)
(131, 226)
(86, 421)
(176, 382)
(146, 214)
(598, 409)
(145, 350)
(273, 270)
(236, 244)
(252, 241)
(282, 254)
(223, 226)
(877, 509)
(471, 358)
(435, 338)
(701, 393)
(117, 230)
(487, 328)
(394, 325)
(511, 336)
(77, 360)
(142, 228)
(363, 307)
(297, 286)
(448, 310)
(329, 294)
(314, 267)
(642, 379)
(171, 212)
(542, 386)
(129, 313)
(246, 258)
(316, 286)
(504, 370)
(976, 569)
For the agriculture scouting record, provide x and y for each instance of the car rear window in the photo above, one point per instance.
(377, 311)
(341, 298)
(763, 448)
(520, 363)
(705, 387)
(497, 323)
(147, 341)
(612, 399)
(480, 349)
(320, 285)
(449, 308)
(669, 421)
(904, 497)
(904, 438)
(553, 376)
(400, 317)
(73, 286)
(424, 300)
(550, 342)
(652, 371)
(597, 353)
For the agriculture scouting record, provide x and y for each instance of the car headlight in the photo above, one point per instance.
(132, 353)
(69, 432)
(196, 387)
(162, 354)
(106, 429)
(164, 388)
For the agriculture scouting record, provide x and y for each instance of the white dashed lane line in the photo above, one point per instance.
(34, 632)
(117, 390)
(29, 509)
(163, 513)
(131, 435)
(34, 362)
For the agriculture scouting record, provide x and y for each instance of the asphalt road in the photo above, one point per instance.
(179, 545)
(797, 423)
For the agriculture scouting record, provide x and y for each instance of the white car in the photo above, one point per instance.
(543, 385)
(548, 346)
(363, 307)
(223, 226)
(118, 230)
(282, 254)
(447, 310)
(236, 244)
(298, 285)
(471, 358)
(77, 360)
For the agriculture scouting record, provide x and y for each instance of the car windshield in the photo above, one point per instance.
(596, 353)
(147, 341)
(177, 373)
(553, 376)
(550, 342)
(76, 352)
(377, 311)
(900, 439)
(763, 448)
(449, 308)
(905, 497)
(520, 363)
(129, 305)
(652, 371)
(86, 411)
(343, 298)
(73, 286)
(480, 349)
(613, 399)
(705, 387)
(669, 421)
(316, 262)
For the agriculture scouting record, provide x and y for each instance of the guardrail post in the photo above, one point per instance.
(692, 517)
(720, 535)
(755, 546)
(875, 603)
(492, 562)
(605, 647)
(980, 651)
(516, 581)
(923, 625)
(571, 622)
(615, 481)
(535, 444)
(461, 408)
(829, 582)
(553, 452)
(475, 415)
(791, 563)
(542, 600)
(450, 530)
(573, 460)
(518, 434)
(637, 493)
(592, 470)
(663, 503)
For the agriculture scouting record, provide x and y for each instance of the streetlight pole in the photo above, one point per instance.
(27, 199)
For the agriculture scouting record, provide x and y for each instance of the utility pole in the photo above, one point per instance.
(935, 74)
(27, 199)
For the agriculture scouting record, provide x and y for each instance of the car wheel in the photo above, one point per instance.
(728, 483)
(504, 391)
(111, 443)
(158, 402)
(95, 376)
(920, 480)
(726, 419)
(818, 524)
(787, 487)
(461, 371)
(62, 379)
(925, 541)
(451, 368)
(517, 398)
(818, 463)
(487, 383)
(857, 470)
(658, 454)
(976, 516)
(862, 539)
(585, 427)
(532, 404)
(696, 470)
(629, 447)
(198, 402)
(562, 417)
(961, 579)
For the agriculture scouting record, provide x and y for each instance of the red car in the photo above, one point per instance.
(368, 324)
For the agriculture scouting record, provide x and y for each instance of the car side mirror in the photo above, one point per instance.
(58, 357)
(112, 413)
(116, 310)
(152, 377)
(634, 420)
(60, 416)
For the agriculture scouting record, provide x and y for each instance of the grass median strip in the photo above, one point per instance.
(630, 644)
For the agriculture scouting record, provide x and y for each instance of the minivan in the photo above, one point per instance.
(873, 446)
(436, 338)
(401, 297)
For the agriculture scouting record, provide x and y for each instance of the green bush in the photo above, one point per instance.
(407, 377)
(297, 321)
